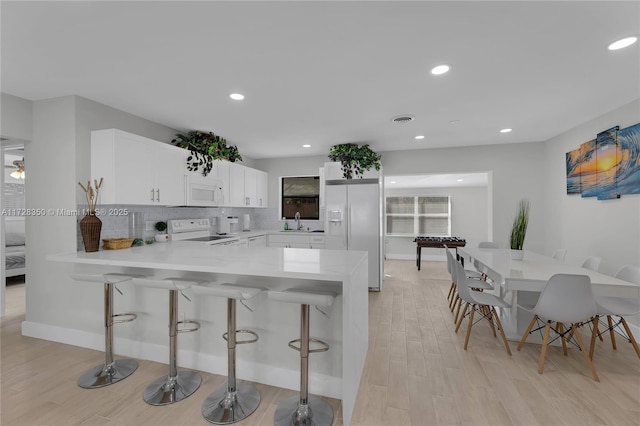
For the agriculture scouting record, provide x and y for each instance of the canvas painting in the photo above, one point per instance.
(628, 171)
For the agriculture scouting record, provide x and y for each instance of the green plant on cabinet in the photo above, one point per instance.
(205, 147)
(355, 159)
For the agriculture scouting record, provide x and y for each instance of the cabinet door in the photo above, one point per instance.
(169, 175)
(221, 172)
(236, 185)
(250, 187)
(133, 163)
(262, 179)
(259, 241)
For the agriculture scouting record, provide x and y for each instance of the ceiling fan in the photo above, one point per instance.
(19, 173)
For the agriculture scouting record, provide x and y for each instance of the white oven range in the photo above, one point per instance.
(198, 231)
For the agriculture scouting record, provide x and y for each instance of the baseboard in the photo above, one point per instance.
(321, 384)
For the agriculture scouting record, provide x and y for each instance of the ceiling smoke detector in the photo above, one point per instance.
(403, 119)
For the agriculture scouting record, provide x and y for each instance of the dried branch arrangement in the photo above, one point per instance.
(92, 194)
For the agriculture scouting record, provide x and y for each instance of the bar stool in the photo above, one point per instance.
(304, 409)
(175, 386)
(234, 402)
(112, 371)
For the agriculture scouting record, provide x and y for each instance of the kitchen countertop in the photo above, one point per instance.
(336, 373)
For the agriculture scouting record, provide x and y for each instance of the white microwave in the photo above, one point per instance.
(203, 192)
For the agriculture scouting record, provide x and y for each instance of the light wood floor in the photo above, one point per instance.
(416, 373)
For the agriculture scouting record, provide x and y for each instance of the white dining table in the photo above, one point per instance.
(521, 281)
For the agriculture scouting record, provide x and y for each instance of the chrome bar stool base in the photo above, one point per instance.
(167, 390)
(291, 412)
(105, 375)
(223, 407)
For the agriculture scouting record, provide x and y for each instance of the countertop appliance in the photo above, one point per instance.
(228, 225)
(353, 221)
(196, 230)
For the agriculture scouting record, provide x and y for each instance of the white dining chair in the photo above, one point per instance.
(565, 299)
(477, 283)
(451, 296)
(592, 262)
(560, 254)
(617, 307)
(475, 301)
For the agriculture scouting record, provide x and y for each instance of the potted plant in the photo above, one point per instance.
(161, 227)
(519, 230)
(355, 159)
(205, 147)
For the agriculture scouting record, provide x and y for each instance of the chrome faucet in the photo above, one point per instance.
(297, 217)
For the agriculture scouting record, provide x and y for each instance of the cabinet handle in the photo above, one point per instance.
(158, 191)
(246, 201)
(152, 195)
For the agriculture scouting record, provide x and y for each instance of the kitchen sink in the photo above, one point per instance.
(302, 231)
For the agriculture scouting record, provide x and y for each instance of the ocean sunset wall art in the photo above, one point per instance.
(607, 166)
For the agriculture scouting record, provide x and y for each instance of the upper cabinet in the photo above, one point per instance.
(136, 170)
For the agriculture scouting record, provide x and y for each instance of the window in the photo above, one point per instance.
(300, 194)
(419, 215)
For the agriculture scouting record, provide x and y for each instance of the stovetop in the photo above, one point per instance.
(209, 238)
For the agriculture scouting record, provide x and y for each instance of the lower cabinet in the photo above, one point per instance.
(258, 241)
(296, 241)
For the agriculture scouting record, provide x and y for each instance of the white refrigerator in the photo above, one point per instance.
(353, 221)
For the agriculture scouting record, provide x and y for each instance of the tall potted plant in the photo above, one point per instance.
(355, 159)
(205, 147)
(519, 229)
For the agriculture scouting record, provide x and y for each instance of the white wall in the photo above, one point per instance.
(59, 157)
(587, 226)
(517, 172)
(15, 123)
(469, 207)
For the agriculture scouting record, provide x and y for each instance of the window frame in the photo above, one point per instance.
(416, 215)
(281, 197)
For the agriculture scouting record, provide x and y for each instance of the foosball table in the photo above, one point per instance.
(436, 242)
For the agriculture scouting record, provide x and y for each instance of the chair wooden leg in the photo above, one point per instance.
(586, 356)
(526, 333)
(450, 294)
(454, 298)
(455, 319)
(612, 332)
(464, 311)
(631, 338)
(560, 328)
(486, 310)
(499, 324)
(545, 342)
(466, 339)
(597, 326)
(594, 332)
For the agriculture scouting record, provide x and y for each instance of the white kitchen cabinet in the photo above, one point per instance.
(236, 185)
(262, 193)
(220, 172)
(137, 170)
(257, 241)
(296, 241)
(250, 186)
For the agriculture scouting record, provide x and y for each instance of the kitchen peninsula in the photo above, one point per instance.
(335, 373)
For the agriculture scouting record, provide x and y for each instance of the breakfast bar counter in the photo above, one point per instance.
(335, 373)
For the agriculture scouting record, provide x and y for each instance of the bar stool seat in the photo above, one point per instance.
(304, 409)
(112, 371)
(175, 386)
(234, 402)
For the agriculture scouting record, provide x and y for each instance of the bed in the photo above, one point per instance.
(15, 253)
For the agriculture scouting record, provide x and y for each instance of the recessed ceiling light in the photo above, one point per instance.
(440, 69)
(459, 180)
(454, 122)
(236, 96)
(505, 130)
(622, 43)
(420, 137)
(306, 145)
(393, 181)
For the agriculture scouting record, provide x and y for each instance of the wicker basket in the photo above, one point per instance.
(117, 243)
